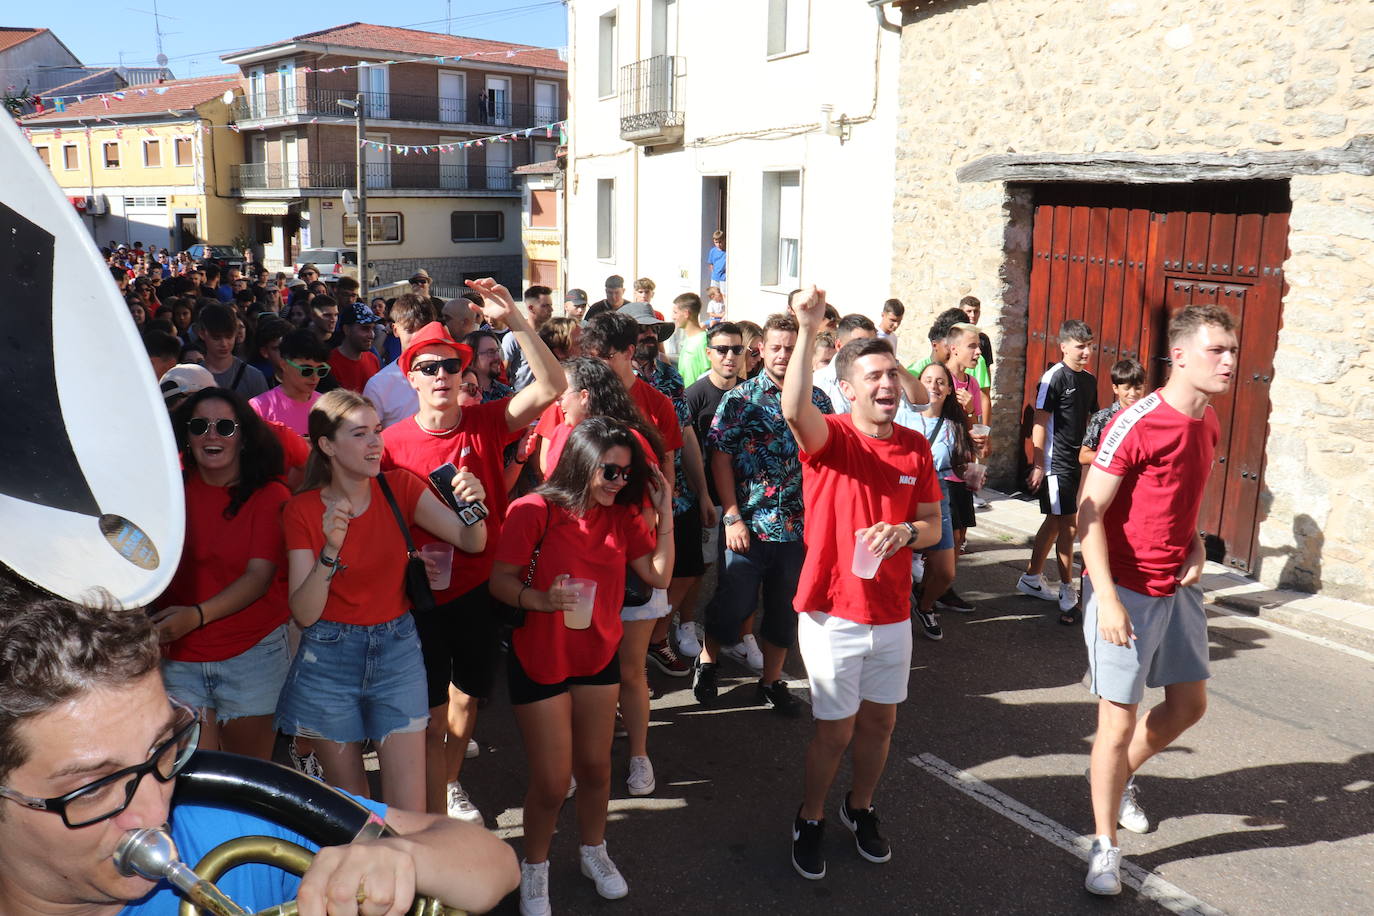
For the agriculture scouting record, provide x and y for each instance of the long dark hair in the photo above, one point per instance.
(607, 397)
(570, 485)
(260, 454)
(957, 420)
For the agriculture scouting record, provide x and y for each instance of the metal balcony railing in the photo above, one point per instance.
(429, 176)
(649, 96)
(393, 106)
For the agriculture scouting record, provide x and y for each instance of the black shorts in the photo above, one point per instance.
(961, 513)
(1059, 493)
(459, 641)
(687, 558)
(524, 690)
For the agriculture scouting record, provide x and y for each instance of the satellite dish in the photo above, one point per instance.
(162, 60)
(90, 490)
(228, 97)
(350, 203)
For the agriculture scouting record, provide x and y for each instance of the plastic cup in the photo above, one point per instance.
(441, 570)
(865, 564)
(975, 475)
(580, 617)
(980, 429)
(710, 541)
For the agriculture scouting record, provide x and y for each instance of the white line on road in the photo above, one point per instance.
(1290, 631)
(1149, 885)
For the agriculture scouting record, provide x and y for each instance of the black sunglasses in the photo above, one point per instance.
(735, 350)
(613, 472)
(453, 366)
(101, 800)
(199, 426)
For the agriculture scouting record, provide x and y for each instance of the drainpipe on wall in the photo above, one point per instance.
(883, 22)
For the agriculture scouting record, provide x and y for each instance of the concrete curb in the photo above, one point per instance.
(1345, 622)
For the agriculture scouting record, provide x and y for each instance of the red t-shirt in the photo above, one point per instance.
(1163, 458)
(596, 547)
(557, 431)
(216, 553)
(476, 444)
(354, 373)
(295, 450)
(372, 588)
(854, 482)
(655, 407)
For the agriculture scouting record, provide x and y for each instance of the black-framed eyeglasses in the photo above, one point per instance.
(721, 350)
(109, 795)
(199, 426)
(612, 472)
(307, 371)
(453, 366)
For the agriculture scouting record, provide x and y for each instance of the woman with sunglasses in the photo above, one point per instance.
(587, 522)
(753, 349)
(222, 621)
(593, 391)
(359, 674)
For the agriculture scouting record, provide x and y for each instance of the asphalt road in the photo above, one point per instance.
(1267, 806)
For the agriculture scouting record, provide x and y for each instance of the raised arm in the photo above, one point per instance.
(803, 417)
(549, 380)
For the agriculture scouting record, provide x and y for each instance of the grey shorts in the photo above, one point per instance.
(1170, 644)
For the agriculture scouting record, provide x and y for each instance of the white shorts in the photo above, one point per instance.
(849, 662)
(657, 606)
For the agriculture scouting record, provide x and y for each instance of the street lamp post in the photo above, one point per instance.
(358, 105)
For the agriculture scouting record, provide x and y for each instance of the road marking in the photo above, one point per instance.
(1148, 885)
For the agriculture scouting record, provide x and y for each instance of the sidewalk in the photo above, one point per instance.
(1344, 622)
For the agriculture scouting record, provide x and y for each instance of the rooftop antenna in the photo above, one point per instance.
(448, 16)
(157, 30)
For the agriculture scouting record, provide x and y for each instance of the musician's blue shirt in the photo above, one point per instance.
(199, 828)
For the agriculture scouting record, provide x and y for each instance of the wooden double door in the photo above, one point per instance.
(1124, 258)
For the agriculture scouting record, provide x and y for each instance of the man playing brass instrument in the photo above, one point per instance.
(84, 718)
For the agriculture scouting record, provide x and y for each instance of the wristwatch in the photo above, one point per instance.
(912, 528)
(334, 564)
(731, 519)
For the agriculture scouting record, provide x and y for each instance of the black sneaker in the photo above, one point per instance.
(950, 601)
(930, 624)
(777, 697)
(867, 839)
(704, 683)
(808, 856)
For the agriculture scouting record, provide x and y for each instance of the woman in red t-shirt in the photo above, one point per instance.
(359, 674)
(222, 621)
(587, 522)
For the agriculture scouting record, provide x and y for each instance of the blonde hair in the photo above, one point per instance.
(325, 419)
(645, 283)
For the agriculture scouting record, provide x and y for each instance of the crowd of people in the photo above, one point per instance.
(390, 502)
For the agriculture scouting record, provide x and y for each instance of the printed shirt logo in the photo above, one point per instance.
(466, 450)
(906, 480)
(1125, 421)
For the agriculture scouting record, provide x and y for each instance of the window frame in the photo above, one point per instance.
(607, 55)
(76, 157)
(155, 142)
(190, 152)
(771, 248)
(783, 7)
(379, 217)
(105, 155)
(500, 225)
(44, 155)
(605, 219)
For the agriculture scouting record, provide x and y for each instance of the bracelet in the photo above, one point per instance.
(201, 612)
(518, 598)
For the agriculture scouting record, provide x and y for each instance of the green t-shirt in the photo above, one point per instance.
(980, 372)
(691, 359)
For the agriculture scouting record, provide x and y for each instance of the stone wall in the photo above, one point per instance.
(1170, 77)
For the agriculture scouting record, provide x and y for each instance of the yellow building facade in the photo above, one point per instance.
(150, 165)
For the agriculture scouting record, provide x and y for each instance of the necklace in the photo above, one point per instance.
(442, 432)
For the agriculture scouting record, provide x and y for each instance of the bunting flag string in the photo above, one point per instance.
(404, 149)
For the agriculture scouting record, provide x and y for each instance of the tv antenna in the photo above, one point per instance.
(157, 29)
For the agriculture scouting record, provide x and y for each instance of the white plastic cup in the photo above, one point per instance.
(980, 429)
(865, 563)
(580, 617)
(975, 475)
(440, 568)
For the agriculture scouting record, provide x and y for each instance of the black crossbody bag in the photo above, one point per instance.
(509, 614)
(417, 577)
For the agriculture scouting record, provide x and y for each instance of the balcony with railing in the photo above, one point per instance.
(477, 111)
(650, 100)
(381, 176)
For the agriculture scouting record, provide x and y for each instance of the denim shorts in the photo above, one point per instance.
(349, 682)
(769, 567)
(246, 685)
(946, 541)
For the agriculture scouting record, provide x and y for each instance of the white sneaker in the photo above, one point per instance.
(534, 889)
(688, 645)
(597, 865)
(1035, 587)
(1130, 815)
(753, 657)
(473, 749)
(641, 778)
(1068, 597)
(1104, 868)
(460, 807)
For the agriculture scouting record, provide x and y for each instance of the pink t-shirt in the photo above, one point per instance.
(275, 404)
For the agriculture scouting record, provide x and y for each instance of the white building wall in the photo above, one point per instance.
(746, 115)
